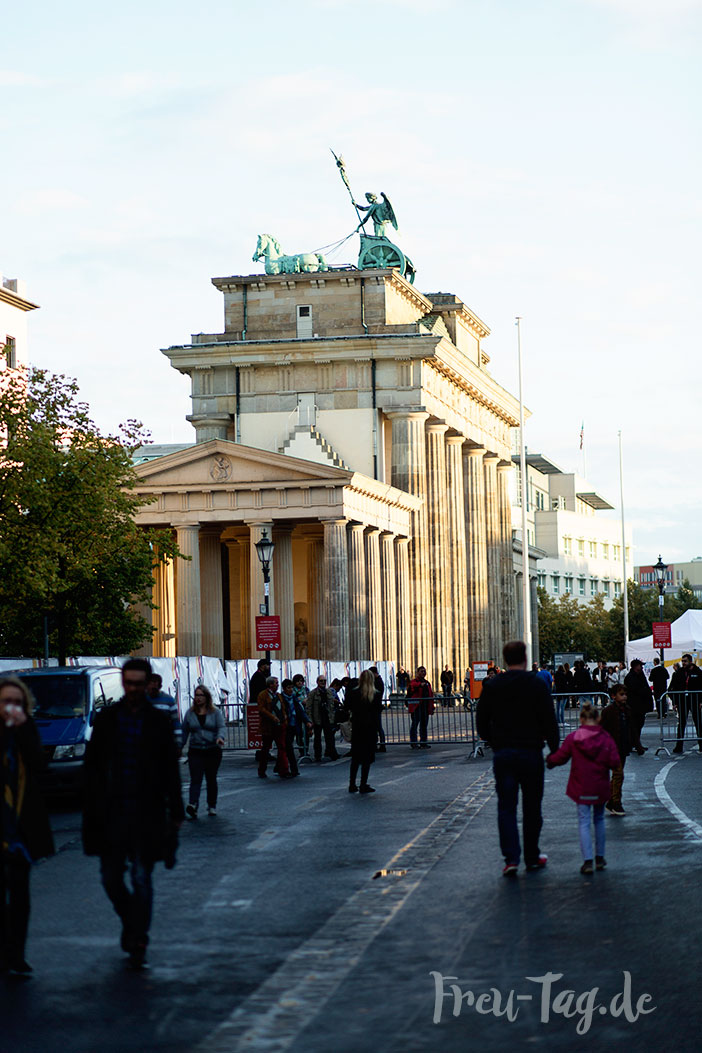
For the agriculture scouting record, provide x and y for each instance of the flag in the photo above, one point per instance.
(582, 434)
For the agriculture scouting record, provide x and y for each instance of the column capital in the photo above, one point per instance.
(357, 527)
(454, 439)
(504, 466)
(372, 531)
(402, 540)
(437, 427)
(334, 522)
(407, 414)
(474, 450)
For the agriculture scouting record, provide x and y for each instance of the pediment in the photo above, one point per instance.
(222, 464)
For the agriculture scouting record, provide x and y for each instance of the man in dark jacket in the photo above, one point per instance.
(640, 701)
(686, 692)
(257, 683)
(658, 677)
(133, 806)
(515, 715)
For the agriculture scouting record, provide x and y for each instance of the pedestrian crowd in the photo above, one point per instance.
(133, 808)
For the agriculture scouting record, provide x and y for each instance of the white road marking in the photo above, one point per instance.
(311, 974)
(677, 813)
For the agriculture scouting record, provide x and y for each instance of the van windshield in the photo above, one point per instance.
(58, 697)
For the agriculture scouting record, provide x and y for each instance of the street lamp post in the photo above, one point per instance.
(660, 568)
(264, 550)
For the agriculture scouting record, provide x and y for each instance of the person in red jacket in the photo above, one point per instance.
(593, 752)
(420, 703)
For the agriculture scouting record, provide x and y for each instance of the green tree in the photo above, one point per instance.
(69, 547)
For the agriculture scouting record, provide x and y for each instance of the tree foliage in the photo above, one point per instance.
(69, 547)
(566, 625)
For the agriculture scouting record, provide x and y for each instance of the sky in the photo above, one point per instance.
(543, 158)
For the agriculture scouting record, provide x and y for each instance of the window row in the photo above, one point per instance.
(593, 549)
(573, 586)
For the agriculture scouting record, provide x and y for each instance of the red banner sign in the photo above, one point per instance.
(661, 635)
(268, 633)
(253, 728)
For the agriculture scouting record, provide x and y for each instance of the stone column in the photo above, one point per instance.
(474, 489)
(315, 598)
(389, 591)
(284, 590)
(437, 536)
(358, 595)
(458, 572)
(409, 472)
(164, 640)
(534, 600)
(404, 627)
(212, 611)
(336, 591)
(507, 586)
(234, 560)
(257, 597)
(375, 595)
(189, 639)
(247, 644)
(493, 558)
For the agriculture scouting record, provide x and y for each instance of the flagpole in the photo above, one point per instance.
(526, 586)
(626, 591)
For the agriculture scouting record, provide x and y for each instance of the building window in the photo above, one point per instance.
(605, 549)
(593, 586)
(11, 352)
(556, 583)
(617, 589)
(304, 320)
(616, 551)
(568, 583)
(605, 588)
(541, 576)
(626, 553)
(568, 546)
(581, 547)
(593, 549)
(581, 586)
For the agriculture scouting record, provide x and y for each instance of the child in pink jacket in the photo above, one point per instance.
(593, 752)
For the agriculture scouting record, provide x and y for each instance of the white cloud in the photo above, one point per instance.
(49, 199)
(15, 79)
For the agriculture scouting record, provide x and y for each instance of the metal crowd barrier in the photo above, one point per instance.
(452, 721)
(679, 720)
(572, 701)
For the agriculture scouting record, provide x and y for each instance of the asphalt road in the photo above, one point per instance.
(305, 918)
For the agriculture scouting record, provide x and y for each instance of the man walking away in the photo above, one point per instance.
(132, 803)
(166, 703)
(274, 723)
(515, 715)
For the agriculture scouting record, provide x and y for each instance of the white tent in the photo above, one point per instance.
(686, 636)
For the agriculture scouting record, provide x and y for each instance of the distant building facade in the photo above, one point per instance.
(582, 549)
(675, 575)
(14, 307)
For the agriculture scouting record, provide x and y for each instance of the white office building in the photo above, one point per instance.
(14, 307)
(576, 529)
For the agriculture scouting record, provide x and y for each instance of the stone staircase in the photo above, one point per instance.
(305, 441)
